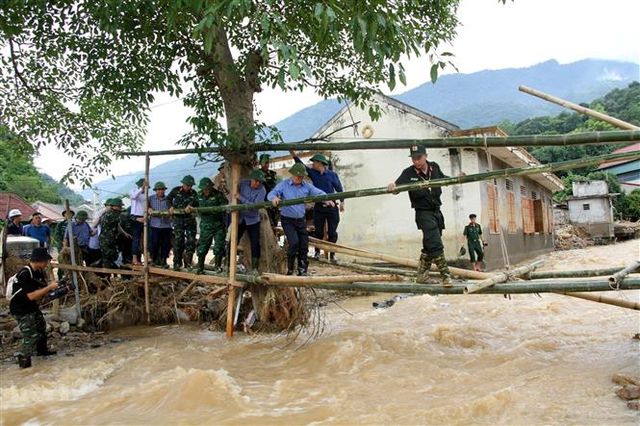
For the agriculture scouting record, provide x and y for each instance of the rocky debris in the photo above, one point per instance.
(630, 390)
(624, 230)
(571, 237)
(65, 327)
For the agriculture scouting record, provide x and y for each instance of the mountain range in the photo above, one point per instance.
(467, 100)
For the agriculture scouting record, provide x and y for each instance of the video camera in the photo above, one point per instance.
(64, 287)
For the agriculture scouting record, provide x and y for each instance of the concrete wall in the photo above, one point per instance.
(597, 220)
(592, 187)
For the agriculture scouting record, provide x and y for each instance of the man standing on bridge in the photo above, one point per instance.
(426, 203)
(326, 213)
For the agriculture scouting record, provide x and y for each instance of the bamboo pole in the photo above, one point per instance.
(536, 275)
(398, 260)
(80, 268)
(579, 108)
(434, 183)
(74, 274)
(145, 239)
(606, 300)
(3, 238)
(616, 136)
(314, 240)
(278, 279)
(502, 277)
(235, 178)
(517, 287)
(620, 275)
(367, 268)
(187, 276)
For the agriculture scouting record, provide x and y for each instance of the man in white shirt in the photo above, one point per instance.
(136, 196)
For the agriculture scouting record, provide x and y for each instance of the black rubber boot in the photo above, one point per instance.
(291, 260)
(43, 350)
(200, 269)
(218, 264)
(302, 268)
(24, 361)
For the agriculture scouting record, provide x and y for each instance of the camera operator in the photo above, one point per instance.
(30, 287)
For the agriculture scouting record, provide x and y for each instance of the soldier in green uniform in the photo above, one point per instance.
(429, 218)
(124, 240)
(110, 229)
(184, 225)
(212, 225)
(270, 182)
(61, 228)
(473, 232)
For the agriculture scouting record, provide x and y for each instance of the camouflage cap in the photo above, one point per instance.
(188, 180)
(257, 175)
(264, 158)
(139, 182)
(116, 202)
(204, 183)
(159, 185)
(298, 169)
(82, 215)
(321, 158)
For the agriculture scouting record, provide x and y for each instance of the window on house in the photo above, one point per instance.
(534, 195)
(528, 223)
(586, 207)
(509, 184)
(523, 191)
(511, 212)
(538, 216)
(492, 209)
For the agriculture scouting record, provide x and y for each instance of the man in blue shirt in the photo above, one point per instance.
(252, 191)
(82, 232)
(38, 231)
(324, 214)
(160, 226)
(292, 217)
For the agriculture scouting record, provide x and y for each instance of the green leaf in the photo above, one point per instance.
(434, 73)
(294, 70)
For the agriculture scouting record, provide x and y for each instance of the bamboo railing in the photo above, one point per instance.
(615, 136)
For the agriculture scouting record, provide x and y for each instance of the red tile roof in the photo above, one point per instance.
(630, 148)
(9, 200)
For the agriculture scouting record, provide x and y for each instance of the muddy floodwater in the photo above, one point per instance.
(436, 360)
(426, 360)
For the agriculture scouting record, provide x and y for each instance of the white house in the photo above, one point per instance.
(591, 207)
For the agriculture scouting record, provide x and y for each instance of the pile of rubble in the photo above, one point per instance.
(571, 237)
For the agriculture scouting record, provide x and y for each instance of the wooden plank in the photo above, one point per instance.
(80, 268)
(276, 279)
(233, 252)
(145, 239)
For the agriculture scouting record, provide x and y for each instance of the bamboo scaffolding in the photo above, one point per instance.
(287, 280)
(537, 275)
(74, 274)
(233, 252)
(620, 275)
(616, 136)
(434, 183)
(397, 260)
(80, 268)
(501, 277)
(579, 108)
(145, 239)
(517, 287)
(606, 300)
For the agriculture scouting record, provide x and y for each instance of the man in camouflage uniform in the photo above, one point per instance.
(61, 229)
(429, 218)
(212, 225)
(30, 286)
(184, 225)
(127, 223)
(473, 232)
(110, 229)
(270, 182)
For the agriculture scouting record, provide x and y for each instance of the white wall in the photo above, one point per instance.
(592, 187)
(600, 211)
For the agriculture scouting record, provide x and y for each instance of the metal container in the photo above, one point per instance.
(21, 246)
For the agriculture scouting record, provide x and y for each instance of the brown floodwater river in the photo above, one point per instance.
(426, 360)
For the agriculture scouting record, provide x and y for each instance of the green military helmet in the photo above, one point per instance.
(139, 182)
(116, 202)
(298, 169)
(204, 183)
(108, 202)
(82, 215)
(265, 158)
(188, 180)
(321, 158)
(257, 175)
(159, 185)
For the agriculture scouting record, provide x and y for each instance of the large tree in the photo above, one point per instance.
(83, 74)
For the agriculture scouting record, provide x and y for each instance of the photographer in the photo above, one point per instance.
(29, 287)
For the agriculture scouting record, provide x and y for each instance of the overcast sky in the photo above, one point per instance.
(491, 36)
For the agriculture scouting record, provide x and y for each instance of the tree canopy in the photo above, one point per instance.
(83, 74)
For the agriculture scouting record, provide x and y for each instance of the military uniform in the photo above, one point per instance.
(473, 231)
(428, 217)
(109, 231)
(128, 224)
(184, 225)
(27, 313)
(212, 226)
